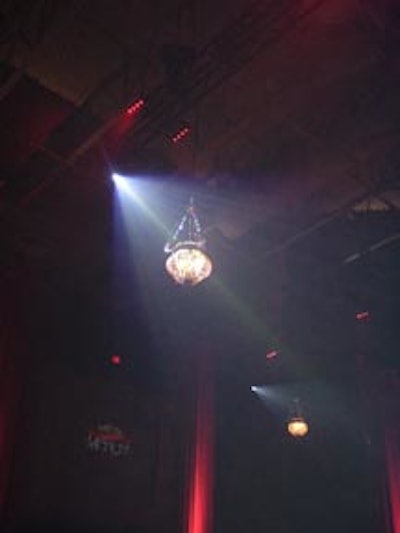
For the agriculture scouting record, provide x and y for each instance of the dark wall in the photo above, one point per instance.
(70, 389)
(61, 482)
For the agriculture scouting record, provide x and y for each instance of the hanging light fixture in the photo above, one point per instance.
(297, 425)
(187, 262)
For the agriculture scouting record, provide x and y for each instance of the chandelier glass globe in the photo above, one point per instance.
(297, 427)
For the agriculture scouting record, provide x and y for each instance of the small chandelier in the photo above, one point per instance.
(187, 262)
(297, 425)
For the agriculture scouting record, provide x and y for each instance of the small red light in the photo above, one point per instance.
(116, 359)
(271, 354)
(363, 316)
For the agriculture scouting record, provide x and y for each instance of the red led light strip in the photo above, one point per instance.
(363, 316)
(135, 107)
(180, 134)
(271, 354)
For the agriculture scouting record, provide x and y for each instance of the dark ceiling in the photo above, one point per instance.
(292, 108)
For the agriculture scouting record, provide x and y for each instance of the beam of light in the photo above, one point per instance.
(138, 234)
(200, 503)
(120, 182)
(248, 317)
(267, 391)
(276, 398)
(129, 188)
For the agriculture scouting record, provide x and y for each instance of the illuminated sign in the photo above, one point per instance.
(109, 440)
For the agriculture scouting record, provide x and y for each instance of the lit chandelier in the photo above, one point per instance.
(297, 425)
(187, 262)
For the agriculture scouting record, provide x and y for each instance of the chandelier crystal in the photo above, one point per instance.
(187, 262)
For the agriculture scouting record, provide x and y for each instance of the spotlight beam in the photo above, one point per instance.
(125, 186)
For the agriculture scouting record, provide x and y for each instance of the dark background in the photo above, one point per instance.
(293, 112)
